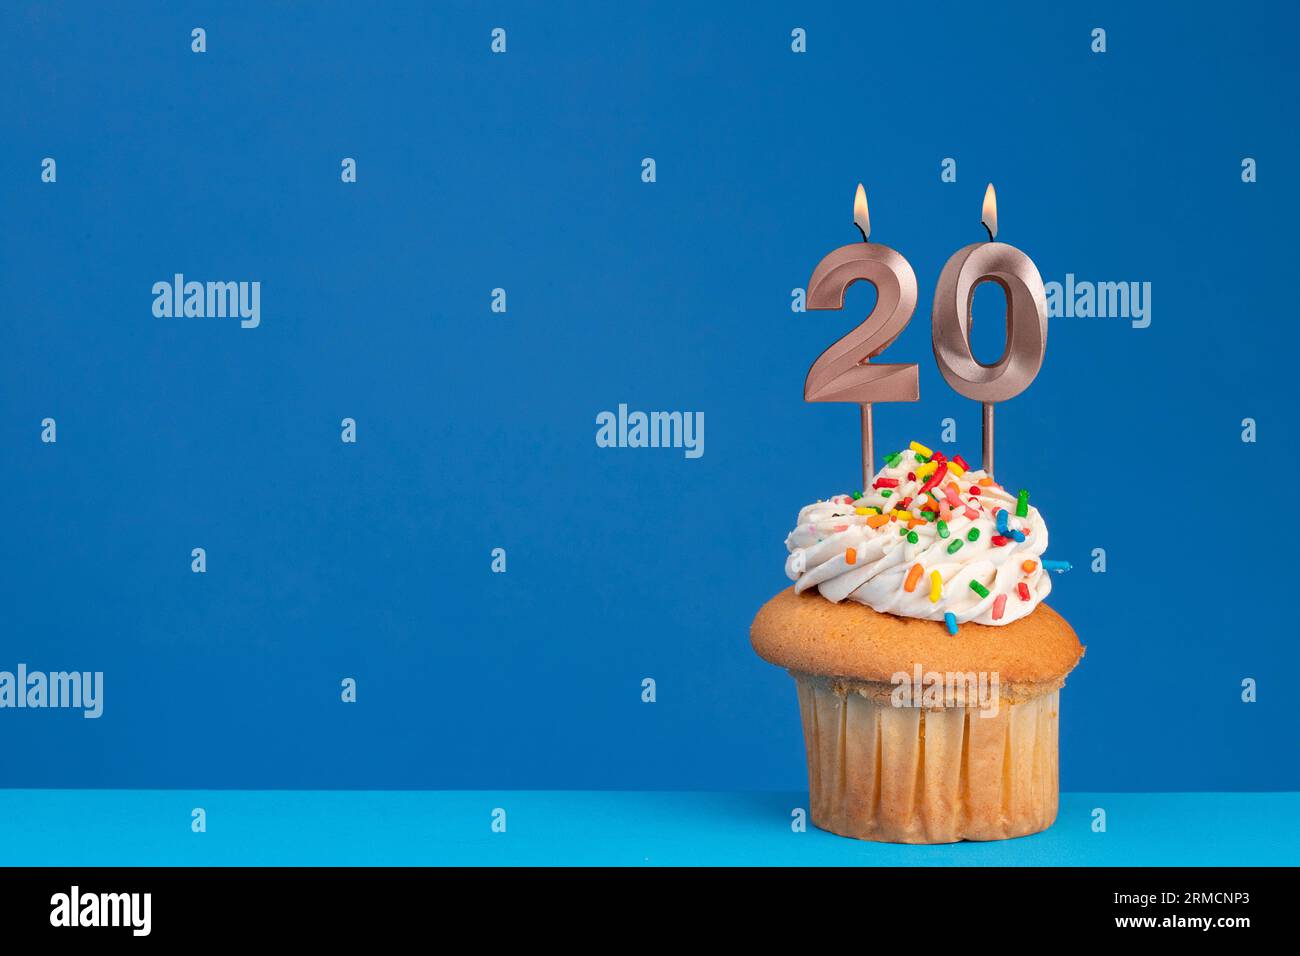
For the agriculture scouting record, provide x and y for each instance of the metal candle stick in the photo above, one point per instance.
(1026, 330)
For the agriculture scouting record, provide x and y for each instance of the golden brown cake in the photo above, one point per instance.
(927, 668)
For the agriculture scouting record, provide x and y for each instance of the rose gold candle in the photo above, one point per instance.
(844, 372)
(1026, 334)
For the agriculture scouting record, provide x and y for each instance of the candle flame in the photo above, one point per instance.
(989, 219)
(860, 217)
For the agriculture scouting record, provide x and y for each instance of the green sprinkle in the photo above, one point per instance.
(955, 546)
(1022, 504)
(979, 589)
(912, 538)
(922, 460)
(892, 458)
(929, 515)
(886, 493)
(873, 509)
(902, 532)
(943, 529)
(973, 534)
(857, 495)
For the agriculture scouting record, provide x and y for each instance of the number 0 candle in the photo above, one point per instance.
(1026, 336)
(844, 373)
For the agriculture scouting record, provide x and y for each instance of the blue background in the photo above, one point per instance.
(476, 430)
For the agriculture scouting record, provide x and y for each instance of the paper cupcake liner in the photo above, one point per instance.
(909, 775)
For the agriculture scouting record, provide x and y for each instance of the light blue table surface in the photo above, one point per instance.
(153, 827)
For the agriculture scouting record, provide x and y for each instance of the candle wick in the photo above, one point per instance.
(863, 231)
(988, 230)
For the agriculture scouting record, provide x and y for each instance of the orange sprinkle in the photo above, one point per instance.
(913, 576)
(1028, 566)
(851, 556)
(986, 481)
(875, 521)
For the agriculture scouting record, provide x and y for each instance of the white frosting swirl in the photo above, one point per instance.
(883, 556)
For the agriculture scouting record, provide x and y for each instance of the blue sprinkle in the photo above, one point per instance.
(1017, 535)
(1057, 566)
(951, 620)
(1002, 522)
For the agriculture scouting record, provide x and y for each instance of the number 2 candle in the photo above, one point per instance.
(844, 372)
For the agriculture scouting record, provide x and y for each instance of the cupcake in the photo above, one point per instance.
(928, 667)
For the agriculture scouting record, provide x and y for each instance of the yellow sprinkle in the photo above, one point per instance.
(863, 511)
(955, 469)
(920, 449)
(936, 587)
(929, 468)
(899, 513)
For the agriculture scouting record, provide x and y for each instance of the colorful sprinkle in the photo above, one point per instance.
(1022, 504)
(862, 511)
(955, 546)
(920, 449)
(1017, 535)
(885, 483)
(875, 521)
(955, 468)
(950, 620)
(885, 494)
(1058, 566)
(1023, 590)
(851, 556)
(857, 495)
(913, 576)
(999, 540)
(971, 513)
(1001, 517)
(979, 589)
(960, 462)
(936, 587)
(892, 458)
(928, 469)
(935, 479)
(929, 515)
(912, 537)
(943, 528)
(974, 489)
(973, 534)
(840, 527)
(999, 605)
(1028, 566)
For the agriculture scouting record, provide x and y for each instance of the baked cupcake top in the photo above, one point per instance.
(931, 538)
(810, 635)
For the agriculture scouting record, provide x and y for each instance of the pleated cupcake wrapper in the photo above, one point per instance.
(908, 775)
